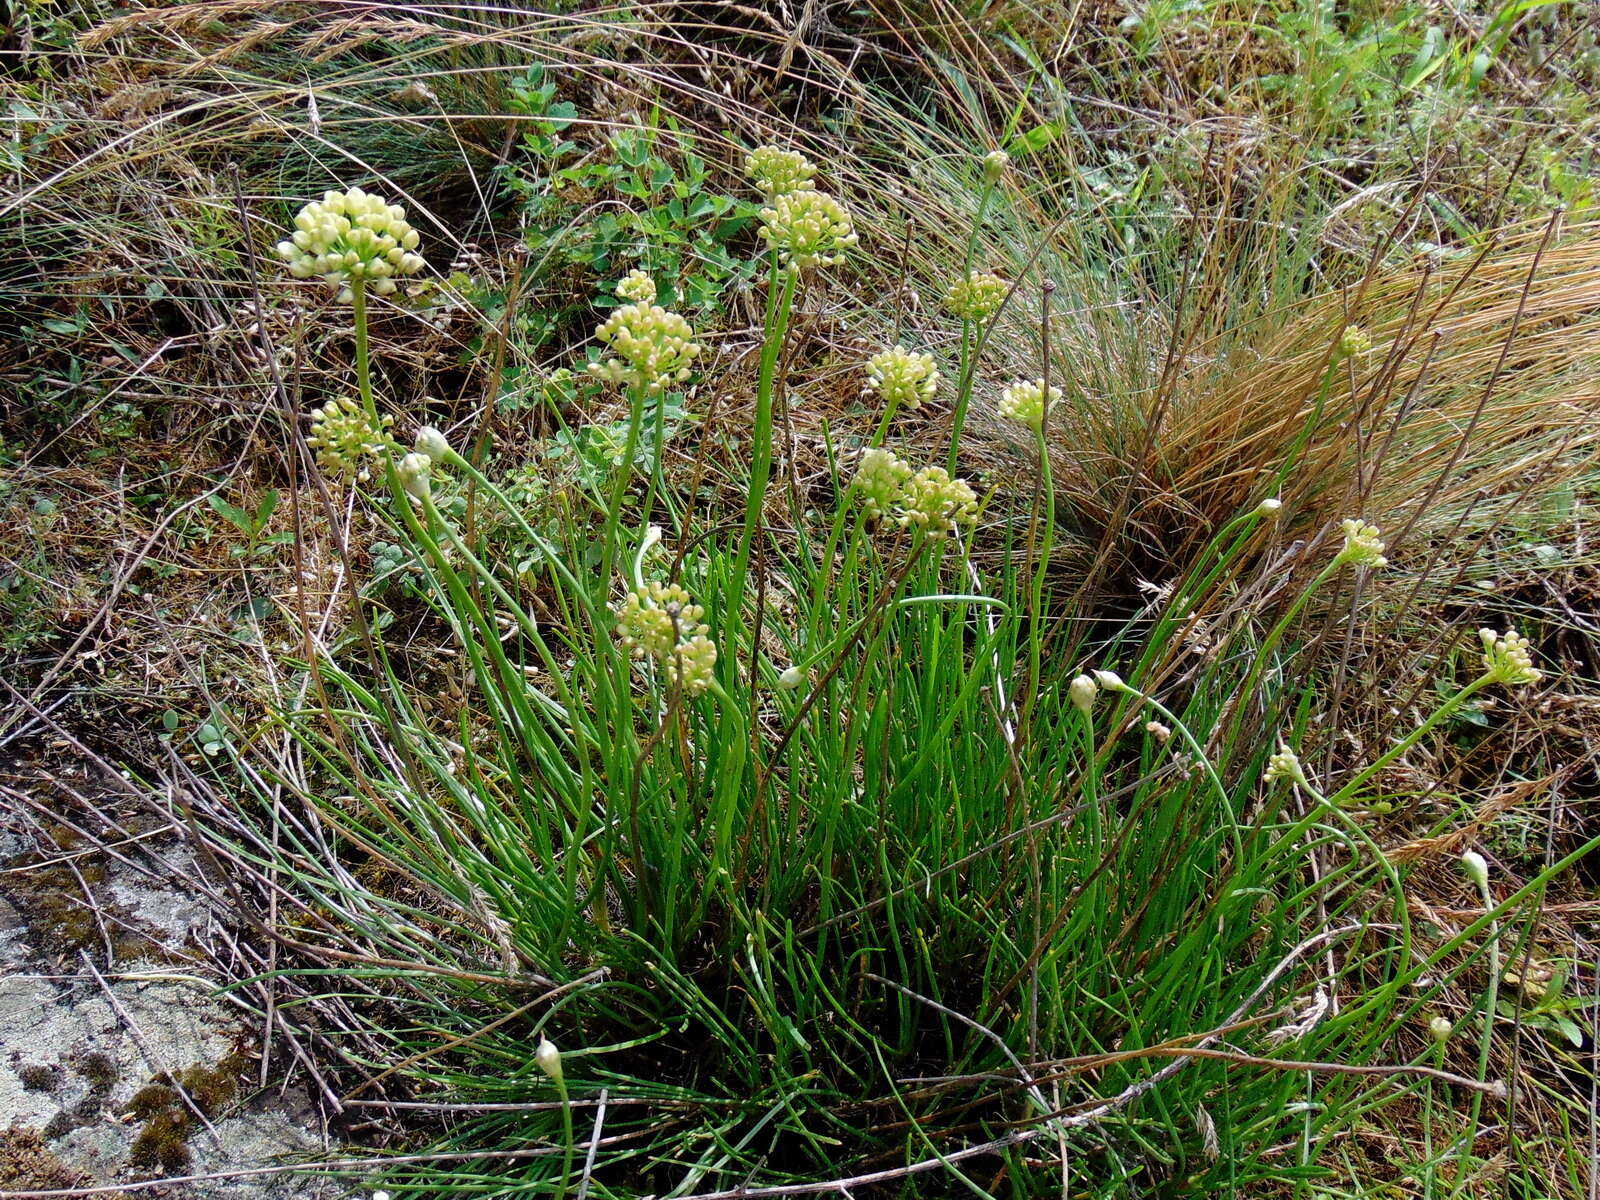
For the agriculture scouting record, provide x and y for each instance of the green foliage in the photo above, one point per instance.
(641, 198)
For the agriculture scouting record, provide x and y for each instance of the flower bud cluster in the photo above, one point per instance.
(777, 171)
(344, 438)
(653, 348)
(903, 378)
(928, 500)
(977, 297)
(936, 503)
(1024, 402)
(1285, 764)
(637, 287)
(414, 470)
(880, 478)
(350, 236)
(661, 622)
(1509, 658)
(808, 228)
(1361, 544)
(1353, 341)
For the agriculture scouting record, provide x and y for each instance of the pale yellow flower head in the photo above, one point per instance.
(1285, 764)
(692, 665)
(977, 297)
(1024, 402)
(654, 618)
(880, 479)
(1353, 341)
(1361, 544)
(1509, 658)
(345, 440)
(937, 504)
(652, 348)
(777, 171)
(903, 378)
(660, 621)
(352, 236)
(808, 229)
(637, 287)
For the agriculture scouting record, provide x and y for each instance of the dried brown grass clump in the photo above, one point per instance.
(1480, 388)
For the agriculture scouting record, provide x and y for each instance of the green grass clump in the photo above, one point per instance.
(810, 854)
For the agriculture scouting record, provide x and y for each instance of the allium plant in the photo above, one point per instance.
(755, 844)
(808, 228)
(777, 171)
(350, 238)
(902, 378)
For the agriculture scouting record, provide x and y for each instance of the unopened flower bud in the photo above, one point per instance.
(1269, 507)
(549, 1059)
(1082, 691)
(1110, 680)
(413, 470)
(790, 678)
(1476, 868)
(432, 443)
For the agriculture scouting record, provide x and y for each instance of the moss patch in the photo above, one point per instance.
(163, 1139)
(27, 1164)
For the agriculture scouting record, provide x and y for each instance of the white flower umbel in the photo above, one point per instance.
(1082, 691)
(977, 297)
(651, 348)
(1508, 657)
(1024, 402)
(1361, 544)
(637, 287)
(994, 165)
(777, 171)
(350, 236)
(345, 439)
(808, 229)
(903, 378)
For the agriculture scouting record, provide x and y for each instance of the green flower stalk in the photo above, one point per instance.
(808, 229)
(346, 439)
(352, 237)
(777, 172)
(652, 348)
(1507, 658)
(1024, 402)
(902, 378)
(977, 297)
